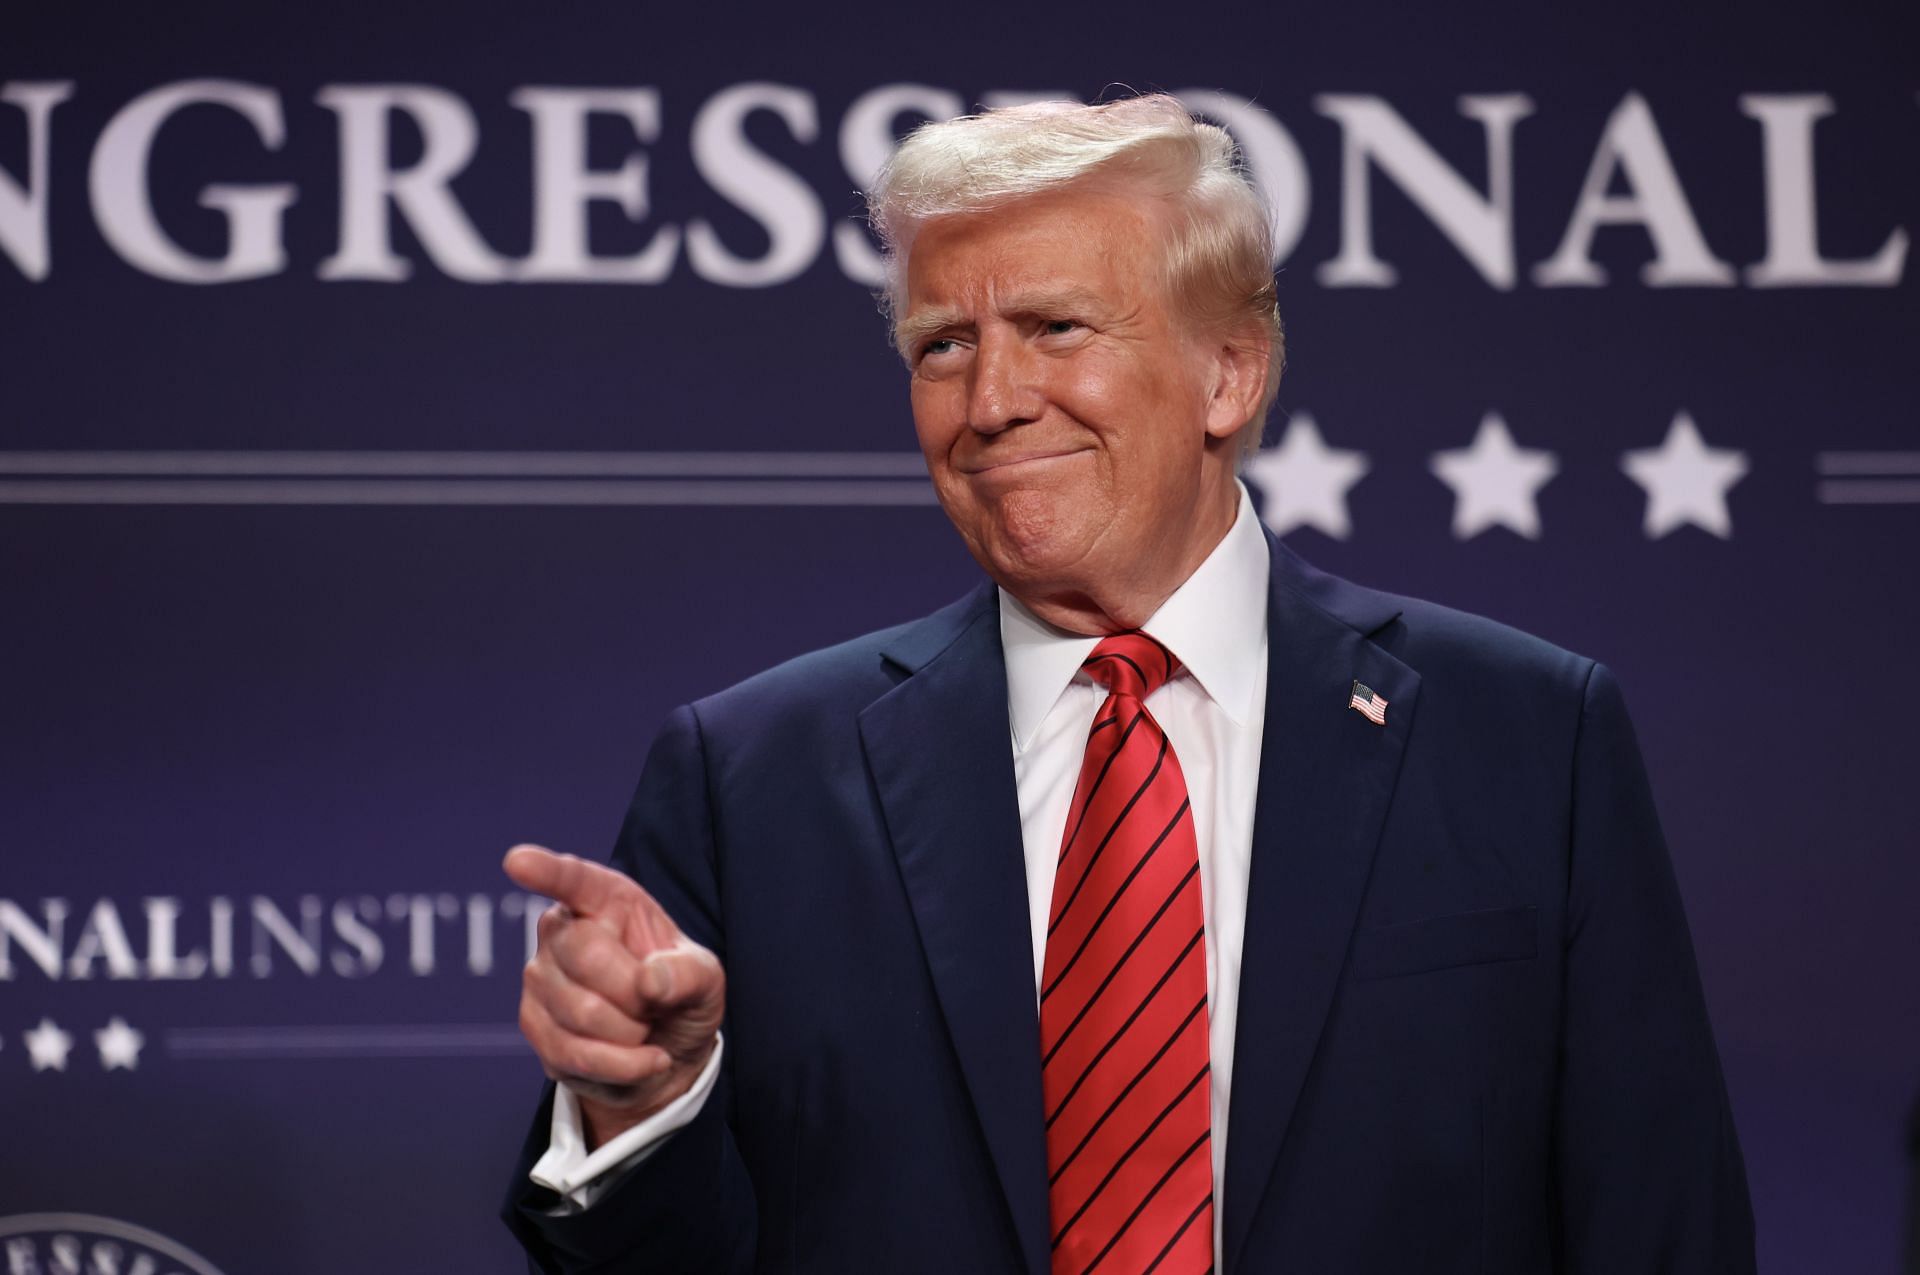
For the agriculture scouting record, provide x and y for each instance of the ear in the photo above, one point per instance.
(1239, 379)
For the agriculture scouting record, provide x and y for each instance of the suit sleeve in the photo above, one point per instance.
(1649, 1172)
(688, 1209)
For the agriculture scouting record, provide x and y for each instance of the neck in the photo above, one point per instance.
(1119, 605)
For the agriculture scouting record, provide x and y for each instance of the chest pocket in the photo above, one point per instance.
(1442, 942)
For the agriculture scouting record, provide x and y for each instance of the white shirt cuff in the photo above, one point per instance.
(580, 1177)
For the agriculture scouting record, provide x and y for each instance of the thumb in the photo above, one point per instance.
(680, 977)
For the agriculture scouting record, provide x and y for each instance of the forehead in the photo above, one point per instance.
(1079, 241)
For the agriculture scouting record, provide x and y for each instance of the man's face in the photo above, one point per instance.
(1064, 412)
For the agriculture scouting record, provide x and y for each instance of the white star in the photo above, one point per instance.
(1495, 483)
(1304, 482)
(119, 1045)
(48, 1046)
(1685, 480)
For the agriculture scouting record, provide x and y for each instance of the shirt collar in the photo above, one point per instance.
(1215, 624)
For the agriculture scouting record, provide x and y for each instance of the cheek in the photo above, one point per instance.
(1089, 390)
(1116, 393)
(1155, 427)
(937, 425)
(936, 422)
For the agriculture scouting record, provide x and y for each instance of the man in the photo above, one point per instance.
(1169, 906)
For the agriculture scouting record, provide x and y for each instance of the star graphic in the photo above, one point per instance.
(1304, 482)
(48, 1046)
(1495, 483)
(1685, 480)
(119, 1045)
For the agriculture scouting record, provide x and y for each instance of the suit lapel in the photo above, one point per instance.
(1326, 778)
(939, 750)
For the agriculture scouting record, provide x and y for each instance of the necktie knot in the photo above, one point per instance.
(1131, 664)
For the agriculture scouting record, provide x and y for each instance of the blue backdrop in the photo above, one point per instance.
(399, 415)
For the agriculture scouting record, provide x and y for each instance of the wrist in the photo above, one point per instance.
(601, 1123)
(604, 1117)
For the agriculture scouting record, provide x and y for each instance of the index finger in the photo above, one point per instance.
(587, 889)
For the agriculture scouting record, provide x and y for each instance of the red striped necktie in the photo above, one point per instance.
(1123, 1001)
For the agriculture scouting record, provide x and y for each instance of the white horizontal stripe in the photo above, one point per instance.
(454, 464)
(1887, 492)
(459, 491)
(262, 1055)
(1867, 464)
(365, 1042)
(1867, 492)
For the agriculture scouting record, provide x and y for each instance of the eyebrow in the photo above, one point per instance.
(921, 324)
(1068, 299)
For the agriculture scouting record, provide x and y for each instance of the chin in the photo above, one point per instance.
(1032, 535)
(1037, 554)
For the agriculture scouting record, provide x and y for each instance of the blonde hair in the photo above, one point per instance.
(1218, 266)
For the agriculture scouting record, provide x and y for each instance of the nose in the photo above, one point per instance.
(1003, 388)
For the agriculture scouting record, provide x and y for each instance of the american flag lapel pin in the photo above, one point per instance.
(1368, 704)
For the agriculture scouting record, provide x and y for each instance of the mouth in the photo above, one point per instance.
(1007, 467)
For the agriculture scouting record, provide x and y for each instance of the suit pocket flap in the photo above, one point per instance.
(1437, 942)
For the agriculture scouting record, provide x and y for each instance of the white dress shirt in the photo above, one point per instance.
(1213, 712)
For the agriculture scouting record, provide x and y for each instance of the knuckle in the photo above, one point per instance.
(542, 980)
(630, 1068)
(576, 941)
(572, 1059)
(581, 1007)
(563, 952)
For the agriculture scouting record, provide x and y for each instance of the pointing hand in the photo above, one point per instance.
(621, 1007)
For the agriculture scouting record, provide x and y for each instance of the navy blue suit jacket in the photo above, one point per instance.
(1471, 1034)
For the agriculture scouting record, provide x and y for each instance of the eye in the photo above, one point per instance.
(1059, 327)
(934, 348)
